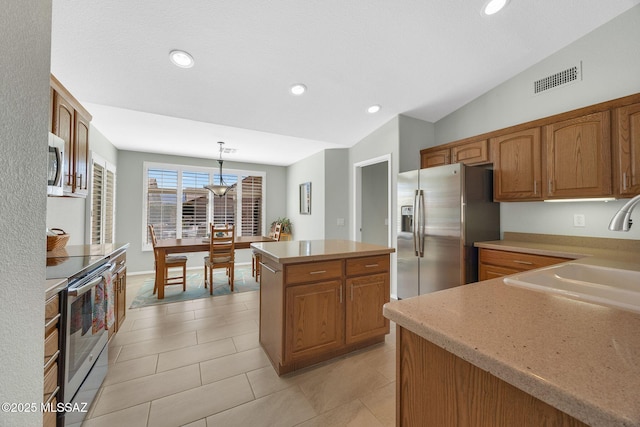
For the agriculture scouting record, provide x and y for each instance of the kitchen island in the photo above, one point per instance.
(320, 299)
(489, 354)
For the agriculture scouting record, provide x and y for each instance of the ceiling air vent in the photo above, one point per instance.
(565, 77)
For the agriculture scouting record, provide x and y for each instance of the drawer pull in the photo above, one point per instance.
(52, 321)
(371, 265)
(318, 272)
(52, 359)
(522, 262)
(52, 395)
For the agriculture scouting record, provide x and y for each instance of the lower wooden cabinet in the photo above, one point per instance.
(496, 263)
(435, 388)
(120, 289)
(52, 358)
(313, 311)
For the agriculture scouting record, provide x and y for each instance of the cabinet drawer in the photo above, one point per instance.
(488, 271)
(51, 344)
(516, 260)
(367, 265)
(120, 260)
(311, 272)
(50, 382)
(51, 308)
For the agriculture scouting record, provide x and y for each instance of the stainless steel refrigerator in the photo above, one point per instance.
(442, 212)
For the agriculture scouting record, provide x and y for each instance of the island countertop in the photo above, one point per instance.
(579, 357)
(317, 250)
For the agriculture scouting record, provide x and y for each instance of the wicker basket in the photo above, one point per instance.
(58, 241)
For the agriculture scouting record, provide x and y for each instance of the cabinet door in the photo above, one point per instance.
(121, 298)
(517, 167)
(578, 157)
(364, 300)
(81, 153)
(626, 146)
(63, 126)
(471, 153)
(314, 319)
(435, 157)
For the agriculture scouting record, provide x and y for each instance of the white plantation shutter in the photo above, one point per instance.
(195, 204)
(178, 205)
(251, 205)
(103, 194)
(162, 202)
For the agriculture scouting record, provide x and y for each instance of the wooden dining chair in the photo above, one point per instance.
(256, 258)
(221, 255)
(170, 261)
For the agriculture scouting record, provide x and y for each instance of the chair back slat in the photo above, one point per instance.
(222, 242)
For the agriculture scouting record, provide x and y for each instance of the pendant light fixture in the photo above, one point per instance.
(221, 189)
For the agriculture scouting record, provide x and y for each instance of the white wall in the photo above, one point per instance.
(25, 43)
(312, 169)
(610, 69)
(337, 194)
(414, 135)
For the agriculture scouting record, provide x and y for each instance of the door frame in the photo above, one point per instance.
(356, 234)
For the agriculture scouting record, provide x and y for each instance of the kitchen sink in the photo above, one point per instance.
(597, 284)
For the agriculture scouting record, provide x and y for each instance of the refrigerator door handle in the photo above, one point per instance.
(423, 222)
(415, 225)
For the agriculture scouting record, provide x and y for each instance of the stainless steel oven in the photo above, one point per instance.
(85, 340)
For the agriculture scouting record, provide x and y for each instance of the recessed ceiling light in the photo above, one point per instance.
(181, 58)
(494, 6)
(373, 109)
(298, 89)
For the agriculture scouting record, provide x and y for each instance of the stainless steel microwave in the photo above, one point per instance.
(55, 172)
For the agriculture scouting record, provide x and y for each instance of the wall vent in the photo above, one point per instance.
(562, 78)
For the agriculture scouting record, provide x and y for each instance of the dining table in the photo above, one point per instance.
(165, 247)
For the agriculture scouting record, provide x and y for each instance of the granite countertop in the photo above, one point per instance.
(53, 286)
(579, 357)
(84, 250)
(317, 250)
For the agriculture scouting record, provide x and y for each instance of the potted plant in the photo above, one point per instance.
(286, 224)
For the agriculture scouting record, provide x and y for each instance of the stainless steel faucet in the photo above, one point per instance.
(621, 221)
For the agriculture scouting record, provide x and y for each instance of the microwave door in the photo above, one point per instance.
(54, 173)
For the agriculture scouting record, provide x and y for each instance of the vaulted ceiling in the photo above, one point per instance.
(421, 58)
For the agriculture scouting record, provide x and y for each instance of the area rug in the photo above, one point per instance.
(243, 282)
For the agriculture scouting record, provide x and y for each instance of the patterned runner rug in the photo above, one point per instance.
(243, 282)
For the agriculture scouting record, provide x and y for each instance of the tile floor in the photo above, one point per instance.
(199, 363)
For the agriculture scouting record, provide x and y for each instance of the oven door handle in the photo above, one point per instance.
(85, 288)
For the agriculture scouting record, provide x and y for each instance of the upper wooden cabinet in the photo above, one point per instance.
(626, 150)
(70, 121)
(469, 153)
(517, 166)
(578, 157)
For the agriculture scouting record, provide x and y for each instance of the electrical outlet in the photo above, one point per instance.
(578, 220)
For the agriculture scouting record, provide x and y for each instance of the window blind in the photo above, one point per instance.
(162, 202)
(96, 203)
(251, 205)
(195, 202)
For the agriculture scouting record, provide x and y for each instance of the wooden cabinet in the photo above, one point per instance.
(626, 149)
(70, 121)
(436, 156)
(52, 358)
(469, 153)
(313, 311)
(434, 387)
(578, 157)
(120, 289)
(517, 166)
(496, 263)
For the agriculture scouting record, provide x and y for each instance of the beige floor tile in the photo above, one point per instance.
(114, 351)
(157, 345)
(191, 405)
(130, 393)
(179, 307)
(217, 332)
(353, 414)
(246, 341)
(336, 383)
(242, 315)
(135, 416)
(265, 381)
(131, 369)
(199, 423)
(285, 408)
(194, 354)
(221, 310)
(382, 403)
(234, 364)
(154, 322)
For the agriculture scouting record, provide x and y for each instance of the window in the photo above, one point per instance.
(178, 205)
(102, 209)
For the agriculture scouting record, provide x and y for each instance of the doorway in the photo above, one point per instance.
(372, 209)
